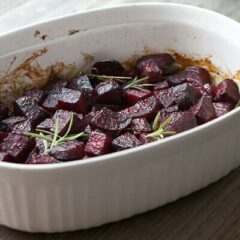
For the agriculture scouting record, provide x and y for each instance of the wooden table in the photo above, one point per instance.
(210, 214)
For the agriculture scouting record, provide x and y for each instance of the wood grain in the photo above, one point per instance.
(209, 214)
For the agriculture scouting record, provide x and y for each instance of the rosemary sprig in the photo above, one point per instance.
(160, 132)
(138, 84)
(52, 139)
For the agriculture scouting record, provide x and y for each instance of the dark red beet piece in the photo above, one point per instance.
(29, 108)
(41, 159)
(135, 95)
(222, 108)
(39, 148)
(36, 95)
(4, 111)
(140, 125)
(109, 67)
(23, 127)
(165, 97)
(204, 111)
(17, 146)
(205, 90)
(110, 121)
(81, 83)
(73, 101)
(68, 151)
(180, 122)
(171, 109)
(161, 85)
(5, 157)
(54, 86)
(227, 91)
(108, 92)
(11, 121)
(185, 95)
(98, 143)
(3, 135)
(64, 120)
(152, 66)
(46, 125)
(51, 102)
(125, 141)
(196, 75)
(145, 108)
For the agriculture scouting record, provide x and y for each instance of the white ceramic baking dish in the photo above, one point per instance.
(87, 193)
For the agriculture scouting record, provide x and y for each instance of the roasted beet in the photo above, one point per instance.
(108, 92)
(81, 83)
(165, 97)
(140, 125)
(204, 111)
(17, 146)
(196, 75)
(73, 101)
(4, 111)
(180, 122)
(64, 121)
(109, 67)
(145, 108)
(29, 108)
(46, 125)
(41, 159)
(11, 121)
(152, 66)
(205, 90)
(5, 157)
(36, 95)
(98, 143)
(227, 91)
(51, 102)
(222, 108)
(144, 139)
(125, 141)
(68, 151)
(110, 121)
(23, 127)
(161, 85)
(3, 135)
(135, 95)
(54, 86)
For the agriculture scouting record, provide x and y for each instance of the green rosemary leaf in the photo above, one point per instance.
(155, 122)
(39, 136)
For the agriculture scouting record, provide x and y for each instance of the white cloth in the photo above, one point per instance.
(18, 13)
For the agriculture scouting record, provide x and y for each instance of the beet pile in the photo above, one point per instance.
(111, 109)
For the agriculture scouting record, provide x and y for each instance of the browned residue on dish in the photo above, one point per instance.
(38, 34)
(72, 31)
(88, 61)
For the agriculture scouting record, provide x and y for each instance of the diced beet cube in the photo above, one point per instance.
(135, 95)
(4, 111)
(41, 159)
(140, 125)
(110, 121)
(205, 90)
(165, 97)
(39, 148)
(17, 146)
(196, 75)
(3, 135)
(29, 108)
(204, 111)
(152, 66)
(109, 67)
(23, 127)
(51, 102)
(108, 92)
(222, 108)
(180, 122)
(73, 101)
(125, 141)
(81, 83)
(171, 109)
(98, 143)
(11, 121)
(36, 95)
(68, 151)
(54, 86)
(64, 121)
(227, 91)
(161, 85)
(144, 108)
(185, 95)
(46, 125)
(88, 129)
(5, 157)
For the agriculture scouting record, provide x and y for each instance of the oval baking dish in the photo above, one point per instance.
(83, 194)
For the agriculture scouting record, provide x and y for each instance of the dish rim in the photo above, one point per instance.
(148, 146)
